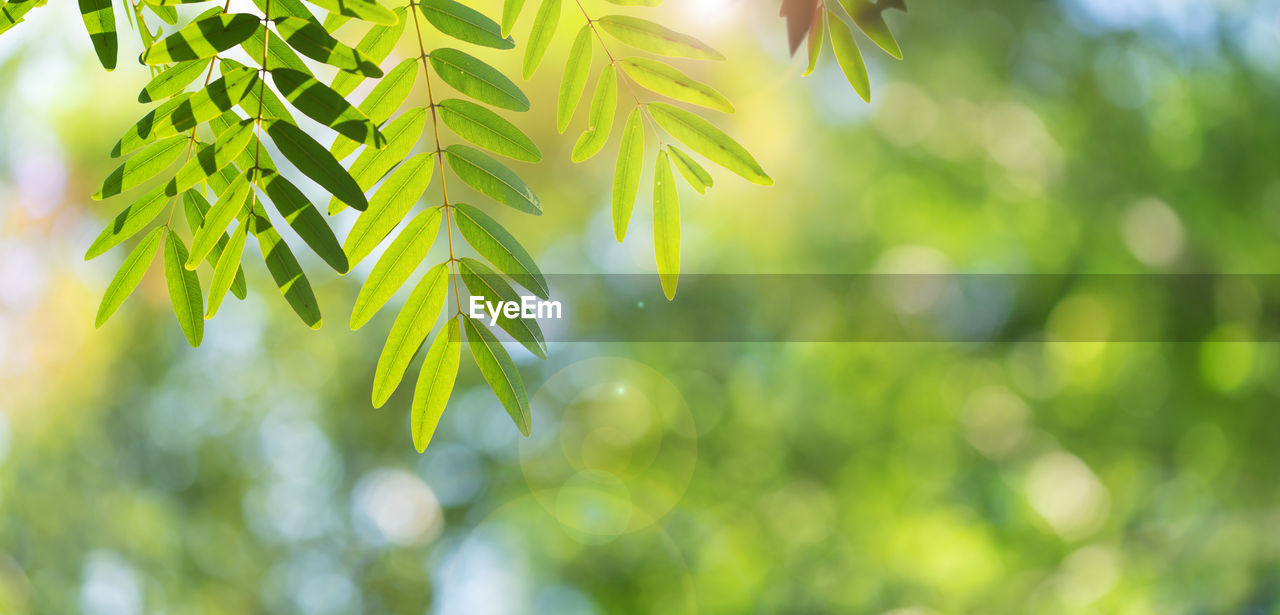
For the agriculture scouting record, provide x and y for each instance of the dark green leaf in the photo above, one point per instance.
(501, 248)
(483, 282)
(369, 167)
(323, 105)
(304, 218)
(464, 23)
(311, 40)
(285, 271)
(500, 372)
(387, 96)
(202, 38)
(314, 161)
(100, 21)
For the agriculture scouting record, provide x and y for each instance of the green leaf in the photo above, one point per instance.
(128, 222)
(226, 269)
(500, 372)
(195, 207)
(376, 45)
(186, 111)
(604, 104)
(285, 272)
(693, 172)
(364, 10)
(289, 8)
(172, 80)
(312, 40)
(869, 18)
(488, 130)
(478, 80)
(654, 38)
(483, 282)
(387, 96)
(510, 13)
(850, 59)
(279, 54)
(304, 219)
(145, 165)
(314, 161)
(435, 383)
(666, 80)
(259, 99)
(492, 179)
(318, 102)
(212, 158)
(666, 226)
(202, 38)
(414, 322)
(395, 265)
(143, 132)
(389, 205)
(464, 23)
(369, 167)
(130, 274)
(184, 289)
(501, 248)
(544, 29)
(817, 34)
(218, 218)
(576, 70)
(100, 21)
(702, 137)
(626, 174)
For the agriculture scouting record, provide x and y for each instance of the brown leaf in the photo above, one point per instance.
(800, 16)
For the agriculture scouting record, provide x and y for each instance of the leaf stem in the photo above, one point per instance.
(435, 129)
(591, 23)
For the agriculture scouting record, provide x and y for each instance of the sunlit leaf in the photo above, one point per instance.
(172, 80)
(211, 158)
(464, 23)
(488, 130)
(100, 21)
(604, 104)
(312, 40)
(364, 10)
(387, 96)
(576, 70)
(389, 205)
(544, 29)
(849, 57)
(670, 82)
(481, 281)
(129, 275)
(318, 102)
(693, 172)
(500, 247)
(491, 178)
(184, 289)
(655, 38)
(817, 36)
(258, 100)
(666, 225)
(314, 161)
(202, 38)
(304, 219)
(369, 167)
(143, 166)
(285, 272)
(510, 13)
(224, 273)
(500, 372)
(704, 138)
(435, 383)
(478, 80)
(218, 218)
(195, 207)
(412, 325)
(869, 17)
(279, 54)
(128, 222)
(376, 45)
(395, 265)
(626, 173)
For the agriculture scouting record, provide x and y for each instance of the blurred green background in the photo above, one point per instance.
(138, 475)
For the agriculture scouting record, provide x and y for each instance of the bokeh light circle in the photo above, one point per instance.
(622, 452)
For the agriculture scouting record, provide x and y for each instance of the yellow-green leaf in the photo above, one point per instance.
(389, 205)
(655, 38)
(626, 174)
(435, 383)
(285, 272)
(576, 70)
(693, 172)
(668, 81)
(488, 130)
(143, 166)
(666, 226)
(387, 96)
(464, 23)
(184, 289)
(202, 38)
(414, 322)
(498, 245)
(172, 80)
(850, 58)
(544, 29)
(369, 167)
(500, 372)
(130, 274)
(481, 281)
(224, 273)
(100, 21)
(478, 80)
(365, 10)
(395, 265)
(491, 178)
(703, 137)
(219, 218)
(604, 104)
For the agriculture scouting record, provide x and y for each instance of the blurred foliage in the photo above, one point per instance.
(138, 475)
